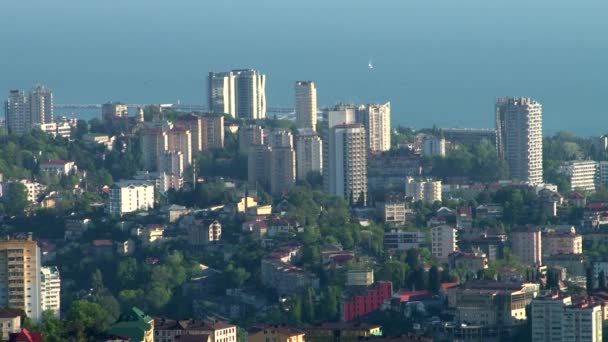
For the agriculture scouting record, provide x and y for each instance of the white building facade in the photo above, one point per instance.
(130, 196)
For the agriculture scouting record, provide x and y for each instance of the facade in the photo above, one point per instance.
(582, 174)
(278, 271)
(180, 140)
(17, 110)
(130, 196)
(561, 243)
(212, 131)
(114, 110)
(20, 276)
(221, 93)
(154, 143)
(342, 332)
(519, 137)
(376, 118)
(602, 173)
(58, 166)
(282, 169)
(428, 191)
(393, 209)
(248, 136)
(193, 123)
(258, 164)
(250, 94)
(470, 262)
(10, 322)
(364, 301)
(359, 277)
(202, 232)
(279, 333)
(469, 136)
(306, 105)
(169, 330)
(433, 146)
(50, 289)
(171, 163)
(340, 114)
(309, 154)
(41, 105)
(345, 173)
(399, 240)
(443, 242)
(526, 244)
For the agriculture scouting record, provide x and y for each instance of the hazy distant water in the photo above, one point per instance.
(438, 61)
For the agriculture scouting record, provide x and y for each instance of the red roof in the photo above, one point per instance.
(407, 296)
(576, 195)
(26, 336)
(102, 243)
(448, 285)
(596, 205)
(56, 162)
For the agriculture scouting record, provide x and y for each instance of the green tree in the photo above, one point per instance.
(394, 271)
(86, 318)
(434, 280)
(52, 327)
(589, 281)
(601, 281)
(308, 305)
(17, 199)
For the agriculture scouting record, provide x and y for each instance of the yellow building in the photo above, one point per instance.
(274, 334)
(341, 332)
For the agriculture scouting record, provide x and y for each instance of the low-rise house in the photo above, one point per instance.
(10, 322)
(470, 262)
(203, 231)
(58, 166)
(149, 233)
(135, 325)
(341, 332)
(276, 333)
(259, 229)
(74, 229)
(125, 248)
(278, 271)
(168, 330)
(102, 247)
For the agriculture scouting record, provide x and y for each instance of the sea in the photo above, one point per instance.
(439, 62)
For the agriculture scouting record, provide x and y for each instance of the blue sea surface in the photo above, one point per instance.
(439, 62)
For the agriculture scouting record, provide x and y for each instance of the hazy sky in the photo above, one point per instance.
(437, 61)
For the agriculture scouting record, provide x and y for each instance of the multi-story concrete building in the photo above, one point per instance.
(376, 118)
(221, 93)
(201, 231)
(339, 115)
(154, 143)
(180, 140)
(50, 289)
(469, 262)
(556, 318)
(249, 136)
(400, 240)
(213, 131)
(519, 137)
(443, 242)
(360, 302)
(274, 333)
(309, 154)
(193, 123)
(561, 243)
(170, 330)
(10, 322)
(428, 191)
(41, 104)
(171, 164)
(306, 105)
(602, 173)
(469, 136)
(582, 174)
(250, 94)
(526, 244)
(129, 196)
(258, 164)
(58, 166)
(114, 110)
(17, 110)
(393, 210)
(345, 173)
(282, 169)
(20, 275)
(433, 146)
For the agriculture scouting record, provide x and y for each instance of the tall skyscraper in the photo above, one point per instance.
(306, 105)
(309, 153)
(376, 118)
(519, 137)
(240, 93)
(17, 111)
(20, 276)
(344, 169)
(41, 104)
(221, 93)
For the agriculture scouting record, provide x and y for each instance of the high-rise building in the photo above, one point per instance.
(344, 169)
(376, 118)
(258, 164)
(171, 163)
(193, 123)
(41, 104)
(20, 276)
(526, 244)
(306, 105)
(282, 169)
(221, 93)
(443, 242)
(309, 154)
(279, 138)
(17, 111)
(469, 136)
(180, 139)
(114, 110)
(428, 191)
(129, 196)
(248, 136)
(213, 131)
(154, 143)
(582, 174)
(50, 289)
(519, 137)
(339, 115)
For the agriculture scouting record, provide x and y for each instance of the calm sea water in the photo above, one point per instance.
(438, 61)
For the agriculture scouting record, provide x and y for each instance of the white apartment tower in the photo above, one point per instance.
(443, 242)
(519, 137)
(428, 190)
(376, 118)
(221, 93)
(129, 196)
(526, 244)
(309, 153)
(344, 169)
(41, 104)
(306, 105)
(180, 139)
(17, 111)
(582, 174)
(50, 289)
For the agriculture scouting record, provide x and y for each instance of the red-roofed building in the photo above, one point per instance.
(26, 336)
(366, 301)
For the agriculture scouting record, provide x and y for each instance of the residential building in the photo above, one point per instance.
(180, 139)
(583, 322)
(169, 330)
(213, 131)
(114, 110)
(576, 265)
(582, 174)
(154, 143)
(276, 333)
(250, 94)
(561, 243)
(202, 231)
(309, 154)
(259, 164)
(306, 105)
(469, 262)
(428, 191)
(33, 189)
(344, 169)
(193, 123)
(393, 210)
(57, 166)
(171, 163)
(376, 118)
(359, 277)
(250, 135)
(17, 110)
(10, 322)
(130, 196)
(20, 275)
(340, 114)
(56, 129)
(134, 325)
(278, 271)
(400, 240)
(469, 136)
(221, 96)
(282, 170)
(50, 289)
(519, 137)
(443, 242)
(433, 146)
(362, 300)
(602, 173)
(41, 104)
(526, 244)
(341, 332)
